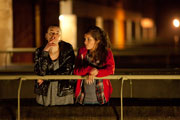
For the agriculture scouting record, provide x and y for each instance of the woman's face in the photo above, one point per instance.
(90, 42)
(53, 35)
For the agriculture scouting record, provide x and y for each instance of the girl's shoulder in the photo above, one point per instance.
(109, 53)
(82, 49)
(109, 50)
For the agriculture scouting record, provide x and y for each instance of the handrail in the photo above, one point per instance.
(116, 52)
(9, 51)
(125, 52)
(65, 77)
(17, 50)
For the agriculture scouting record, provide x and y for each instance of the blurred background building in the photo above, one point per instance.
(142, 34)
(129, 23)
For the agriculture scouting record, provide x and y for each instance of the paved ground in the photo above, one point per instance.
(140, 109)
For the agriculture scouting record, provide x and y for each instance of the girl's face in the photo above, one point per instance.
(53, 35)
(89, 42)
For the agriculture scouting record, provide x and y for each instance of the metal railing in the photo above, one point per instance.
(9, 52)
(122, 78)
(124, 52)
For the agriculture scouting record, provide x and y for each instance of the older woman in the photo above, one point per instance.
(54, 58)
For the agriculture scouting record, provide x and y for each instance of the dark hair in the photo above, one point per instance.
(102, 50)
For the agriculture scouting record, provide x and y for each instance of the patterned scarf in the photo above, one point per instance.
(99, 93)
(99, 85)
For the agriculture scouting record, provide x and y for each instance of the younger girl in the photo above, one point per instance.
(95, 59)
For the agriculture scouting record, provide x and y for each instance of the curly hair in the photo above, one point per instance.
(102, 49)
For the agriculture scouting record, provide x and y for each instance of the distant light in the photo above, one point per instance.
(68, 26)
(176, 22)
(147, 23)
(61, 17)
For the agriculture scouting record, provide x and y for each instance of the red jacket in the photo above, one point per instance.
(108, 70)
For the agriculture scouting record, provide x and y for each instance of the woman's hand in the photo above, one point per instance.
(49, 45)
(39, 81)
(92, 74)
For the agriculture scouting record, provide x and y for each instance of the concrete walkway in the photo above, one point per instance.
(32, 111)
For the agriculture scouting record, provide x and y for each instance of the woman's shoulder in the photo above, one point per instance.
(39, 49)
(65, 48)
(65, 44)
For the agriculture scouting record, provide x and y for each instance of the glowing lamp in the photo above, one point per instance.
(176, 23)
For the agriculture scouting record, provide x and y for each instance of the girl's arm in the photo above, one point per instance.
(110, 66)
(81, 65)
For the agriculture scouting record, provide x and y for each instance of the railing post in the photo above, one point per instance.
(19, 93)
(122, 83)
(131, 89)
(6, 60)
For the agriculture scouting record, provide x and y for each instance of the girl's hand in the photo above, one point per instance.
(90, 79)
(92, 74)
(94, 71)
